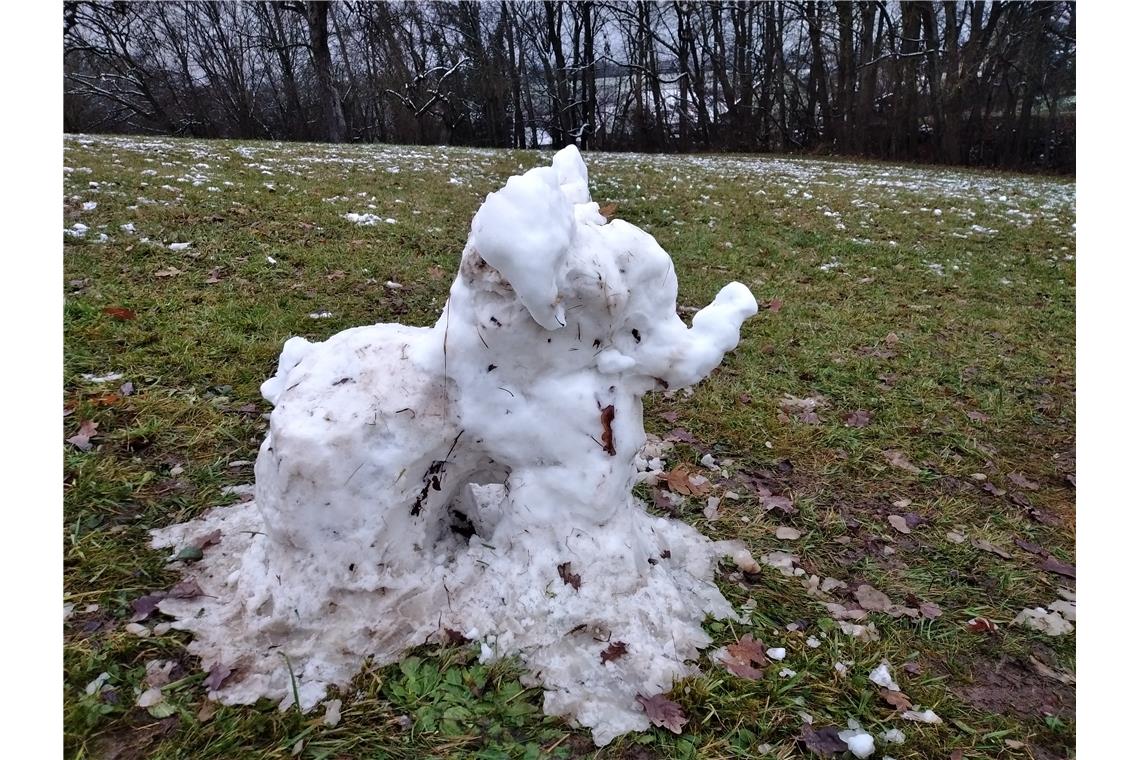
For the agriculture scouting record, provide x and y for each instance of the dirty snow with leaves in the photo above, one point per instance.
(502, 445)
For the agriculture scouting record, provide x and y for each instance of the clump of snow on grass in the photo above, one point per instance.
(365, 220)
(881, 676)
(179, 246)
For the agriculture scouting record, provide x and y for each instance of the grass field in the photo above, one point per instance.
(939, 303)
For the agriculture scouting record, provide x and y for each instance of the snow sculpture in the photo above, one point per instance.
(476, 476)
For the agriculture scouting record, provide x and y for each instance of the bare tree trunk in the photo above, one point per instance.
(332, 117)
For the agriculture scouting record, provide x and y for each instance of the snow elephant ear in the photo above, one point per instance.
(524, 231)
(572, 176)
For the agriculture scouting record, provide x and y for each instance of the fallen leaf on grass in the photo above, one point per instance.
(1044, 670)
(784, 533)
(168, 272)
(977, 416)
(1053, 565)
(930, 610)
(871, 599)
(685, 481)
(955, 537)
(1030, 547)
(981, 625)
(986, 546)
(896, 699)
(857, 419)
(745, 658)
(774, 305)
(898, 522)
(615, 650)
(663, 712)
(782, 503)
(119, 312)
(608, 210)
(569, 578)
(898, 459)
(217, 676)
(680, 435)
(82, 439)
(991, 489)
(823, 742)
(1021, 481)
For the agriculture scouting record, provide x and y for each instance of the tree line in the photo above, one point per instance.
(974, 83)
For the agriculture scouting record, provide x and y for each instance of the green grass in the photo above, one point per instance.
(881, 331)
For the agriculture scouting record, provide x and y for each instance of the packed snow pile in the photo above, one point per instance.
(474, 478)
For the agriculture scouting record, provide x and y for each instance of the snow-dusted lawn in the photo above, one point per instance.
(913, 372)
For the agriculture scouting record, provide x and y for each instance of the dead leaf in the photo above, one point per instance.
(992, 490)
(187, 589)
(615, 650)
(782, 503)
(977, 416)
(207, 710)
(608, 431)
(454, 638)
(823, 742)
(119, 312)
(569, 578)
(208, 539)
(168, 272)
(1030, 547)
(898, 522)
(859, 418)
(436, 272)
(871, 599)
(981, 625)
(215, 276)
(898, 459)
(1045, 670)
(683, 479)
(785, 533)
(145, 605)
(930, 610)
(608, 210)
(217, 676)
(663, 712)
(987, 546)
(680, 435)
(774, 305)
(82, 439)
(1021, 481)
(745, 658)
(896, 699)
(1053, 565)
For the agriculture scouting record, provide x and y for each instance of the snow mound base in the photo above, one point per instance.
(476, 477)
